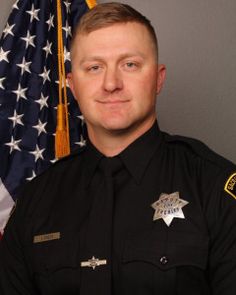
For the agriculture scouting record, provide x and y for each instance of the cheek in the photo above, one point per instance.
(87, 88)
(151, 81)
(147, 80)
(144, 93)
(144, 88)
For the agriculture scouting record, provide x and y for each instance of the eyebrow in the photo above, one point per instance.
(122, 56)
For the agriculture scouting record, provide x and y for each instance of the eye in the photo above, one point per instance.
(131, 66)
(94, 68)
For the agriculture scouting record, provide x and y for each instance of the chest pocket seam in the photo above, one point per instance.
(181, 249)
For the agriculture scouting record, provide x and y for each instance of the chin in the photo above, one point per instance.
(120, 127)
(116, 127)
(113, 121)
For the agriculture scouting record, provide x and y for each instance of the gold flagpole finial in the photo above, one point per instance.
(91, 3)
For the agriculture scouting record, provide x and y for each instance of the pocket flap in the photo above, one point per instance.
(179, 249)
(55, 254)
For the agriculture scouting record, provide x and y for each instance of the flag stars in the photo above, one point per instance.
(67, 4)
(45, 75)
(40, 127)
(67, 29)
(62, 84)
(24, 66)
(47, 49)
(32, 176)
(50, 22)
(8, 30)
(20, 92)
(15, 6)
(82, 142)
(81, 117)
(66, 55)
(42, 101)
(55, 108)
(13, 144)
(1, 82)
(29, 40)
(16, 119)
(38, 153)
(33, 13)
(54, 160)
(3, 55)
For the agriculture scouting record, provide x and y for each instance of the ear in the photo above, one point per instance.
(70, 82)
(161, 75)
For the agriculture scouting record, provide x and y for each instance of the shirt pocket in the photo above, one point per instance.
(167, 250)
(154, 258)
(187, 249)
(54, 264)
(53, 255)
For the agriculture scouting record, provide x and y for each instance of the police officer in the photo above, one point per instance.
(137, 211)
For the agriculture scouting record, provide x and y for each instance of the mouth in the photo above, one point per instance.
(112, 102)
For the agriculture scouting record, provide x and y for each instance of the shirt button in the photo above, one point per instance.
(163, 260)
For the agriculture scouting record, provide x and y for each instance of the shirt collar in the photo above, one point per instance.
(91, 159)
(135, 157)
(138, 154)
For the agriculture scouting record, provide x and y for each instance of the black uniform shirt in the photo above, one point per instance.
(195, 253)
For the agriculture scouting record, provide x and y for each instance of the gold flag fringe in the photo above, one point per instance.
(62, 139)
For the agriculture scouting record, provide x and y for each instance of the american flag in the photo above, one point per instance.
(29, 93)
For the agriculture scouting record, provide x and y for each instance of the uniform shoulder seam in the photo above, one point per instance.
(201, 149)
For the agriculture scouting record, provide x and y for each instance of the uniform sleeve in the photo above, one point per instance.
(14, 275)
(222, 262)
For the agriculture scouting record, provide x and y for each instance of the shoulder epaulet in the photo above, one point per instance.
(200, 149)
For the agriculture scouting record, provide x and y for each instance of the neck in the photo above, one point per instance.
(110, 143)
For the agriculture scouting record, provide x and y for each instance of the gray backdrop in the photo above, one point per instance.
(198, 45)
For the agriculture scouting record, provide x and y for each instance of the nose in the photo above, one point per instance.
(112, 80)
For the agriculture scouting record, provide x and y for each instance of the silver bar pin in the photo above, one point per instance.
(93, 262)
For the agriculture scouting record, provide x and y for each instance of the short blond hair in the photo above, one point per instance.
(107, 14)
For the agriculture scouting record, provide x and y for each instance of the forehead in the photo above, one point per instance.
(117, 37)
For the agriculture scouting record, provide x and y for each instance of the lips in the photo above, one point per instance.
(113, 101)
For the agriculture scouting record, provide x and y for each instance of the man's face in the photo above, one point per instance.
(115, 78)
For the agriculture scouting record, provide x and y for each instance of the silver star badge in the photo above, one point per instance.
(169, 207)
